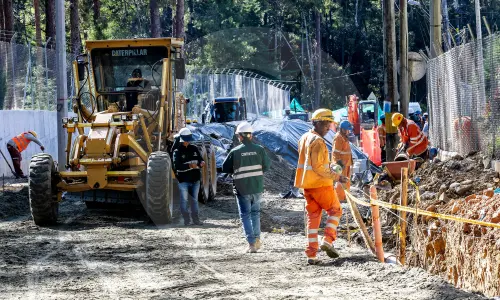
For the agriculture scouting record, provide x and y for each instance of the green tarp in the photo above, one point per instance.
(295, 106)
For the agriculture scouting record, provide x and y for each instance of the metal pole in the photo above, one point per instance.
(390, 42)
(403, 50)
(62, 93)
(480, 65)
(13, 72)
(28, 66)
(446, 23)
(47, 74)
(435, 26)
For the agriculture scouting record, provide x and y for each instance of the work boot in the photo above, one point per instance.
(258, 244)
(196, 221)
(187, 221)
(328, 248)
(251, 248)
(312, 260)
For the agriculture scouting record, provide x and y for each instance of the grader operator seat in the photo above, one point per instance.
(135, 84)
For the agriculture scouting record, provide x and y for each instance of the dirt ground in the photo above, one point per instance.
(112, 254)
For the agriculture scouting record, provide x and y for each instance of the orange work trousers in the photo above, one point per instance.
(339, 187)
(319, 199)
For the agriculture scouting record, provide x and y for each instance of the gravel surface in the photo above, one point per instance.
(111, 254)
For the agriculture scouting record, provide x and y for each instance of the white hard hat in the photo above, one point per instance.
(185, 131)
(186, 135)
(410, 110)
(244, 127)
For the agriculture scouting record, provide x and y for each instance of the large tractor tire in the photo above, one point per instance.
(213, 174)
(43, 190)
(159, 188)
(204, 193)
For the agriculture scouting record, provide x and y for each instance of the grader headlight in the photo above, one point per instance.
(75, 119)
(65, 120)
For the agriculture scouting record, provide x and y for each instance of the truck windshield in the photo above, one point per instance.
(117, 69)
(228, 111)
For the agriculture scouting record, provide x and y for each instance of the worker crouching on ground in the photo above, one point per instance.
(18, 144)
(413, 141)
(247, 163)
(342, 155)
(187, 164)
(316, 175)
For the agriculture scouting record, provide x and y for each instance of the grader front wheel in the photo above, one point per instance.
(42, 190)
(159, 188)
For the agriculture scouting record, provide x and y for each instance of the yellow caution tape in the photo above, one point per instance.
(417, 211)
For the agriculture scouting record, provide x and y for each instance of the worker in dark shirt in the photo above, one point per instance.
(187, 164)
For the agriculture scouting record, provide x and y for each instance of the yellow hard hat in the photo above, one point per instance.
(195, 121)
(188, 121)
(397, 118)
(33, 133)
(322, 114)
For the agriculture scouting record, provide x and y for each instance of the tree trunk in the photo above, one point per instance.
(76, 42)
(9, 19)
(179, 19)
(38, 29)
(50, 21)
(317, 94)
(155, 19)
(97, 21)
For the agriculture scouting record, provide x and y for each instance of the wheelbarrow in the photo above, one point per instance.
(394, 168)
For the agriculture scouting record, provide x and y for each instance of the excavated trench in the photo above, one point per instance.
(467, 255)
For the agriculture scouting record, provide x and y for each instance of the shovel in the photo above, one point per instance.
(14, 173)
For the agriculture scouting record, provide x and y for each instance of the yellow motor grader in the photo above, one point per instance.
(128, 110)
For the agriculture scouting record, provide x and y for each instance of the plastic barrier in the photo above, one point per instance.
(371, 146)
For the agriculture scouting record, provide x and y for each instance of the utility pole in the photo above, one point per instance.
(480, 66)
(435, 32)
(390, 42)
(62, 84)
(403, 57)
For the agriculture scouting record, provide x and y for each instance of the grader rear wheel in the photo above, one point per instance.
(204, 192)
(213, 174)
(159, 188)
(42, 190)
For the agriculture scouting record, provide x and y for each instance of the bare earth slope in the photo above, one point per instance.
(96, 254)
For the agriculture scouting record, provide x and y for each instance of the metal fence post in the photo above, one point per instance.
(47, 75)
(13, 71)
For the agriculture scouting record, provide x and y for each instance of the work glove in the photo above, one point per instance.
(42, 148)
(343, 179)
(335, 169)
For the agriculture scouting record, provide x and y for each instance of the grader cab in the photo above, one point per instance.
(128, 110)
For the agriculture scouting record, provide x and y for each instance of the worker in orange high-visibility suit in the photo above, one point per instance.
(413, 141)
(342, 155)
(18, 144)
(382, 134)
(316, 175)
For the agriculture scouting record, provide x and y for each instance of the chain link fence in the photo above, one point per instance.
(28, 76)
(464, 98)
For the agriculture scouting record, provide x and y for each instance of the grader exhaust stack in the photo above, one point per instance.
(128, 109)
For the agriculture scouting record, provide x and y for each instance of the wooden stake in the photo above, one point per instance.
(487, 25)
(377, 229)
(404, 201)
(359, 221)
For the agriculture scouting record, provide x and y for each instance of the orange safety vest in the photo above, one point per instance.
(381, 135)
(342, 150)
(21, 141)
(313, 168)
(412, 135)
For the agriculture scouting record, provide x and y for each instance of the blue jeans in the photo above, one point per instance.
(189, 190)
(249, 207)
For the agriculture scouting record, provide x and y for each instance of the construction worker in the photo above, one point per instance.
(247, 163)
(413, 141)
(382, 133)
(187, 164)
(18, 144)
(425, 130)
(316, 175)
(342, 155)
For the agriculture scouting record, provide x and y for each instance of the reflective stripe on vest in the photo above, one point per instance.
(342, 152)
(248, 168)
(21, 141)
(309, 168)
(250, 174)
